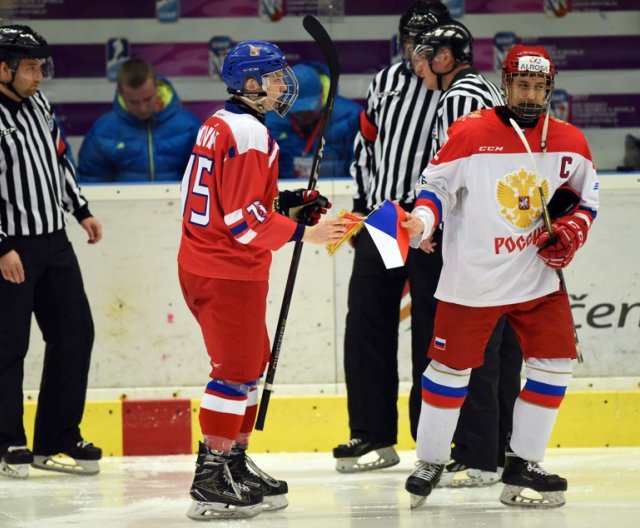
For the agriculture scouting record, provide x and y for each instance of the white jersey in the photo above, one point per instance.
(483, 187)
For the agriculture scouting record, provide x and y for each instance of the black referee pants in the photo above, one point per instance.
(371, 337)
(54, 292)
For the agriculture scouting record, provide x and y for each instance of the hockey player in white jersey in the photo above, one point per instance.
(500, 260)
(485, 422)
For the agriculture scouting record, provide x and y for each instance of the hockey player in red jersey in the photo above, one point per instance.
(500, 260)
(233, 218)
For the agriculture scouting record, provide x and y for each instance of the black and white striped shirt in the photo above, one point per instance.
(468, 91)
(394, 142)
(37, 181)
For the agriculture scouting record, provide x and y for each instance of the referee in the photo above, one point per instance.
(391, 150)
(40, 272)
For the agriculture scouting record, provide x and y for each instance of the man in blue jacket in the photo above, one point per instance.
(299, 132)
(147, 136)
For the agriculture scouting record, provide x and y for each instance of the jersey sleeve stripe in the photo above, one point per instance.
(431, 201)
(233, 217)
(247, 237)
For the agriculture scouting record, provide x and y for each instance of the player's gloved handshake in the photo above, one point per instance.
(569, 234)
(302, 205)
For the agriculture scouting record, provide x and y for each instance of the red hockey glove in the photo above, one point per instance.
(569, 234)
(302, 205)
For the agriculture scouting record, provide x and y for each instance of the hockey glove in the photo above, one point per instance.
(569, 234)
(302, 205)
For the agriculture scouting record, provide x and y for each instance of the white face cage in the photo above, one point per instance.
(282, 101)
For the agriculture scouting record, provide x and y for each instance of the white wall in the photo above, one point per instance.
(145, 337)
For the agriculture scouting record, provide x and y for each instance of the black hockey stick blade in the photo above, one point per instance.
(322, 38)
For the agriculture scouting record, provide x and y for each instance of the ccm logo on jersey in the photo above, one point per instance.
(490, 149)
(511, 244)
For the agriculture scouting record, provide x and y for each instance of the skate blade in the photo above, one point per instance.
(387, 457)
(205, 511)
(14, 470)
(66, 464)
(274, 502)
(517, 496)
(468, 479)
(416, 500)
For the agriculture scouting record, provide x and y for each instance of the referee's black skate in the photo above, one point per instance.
(458, 475)
(81, 459)
(245, 471)
(15, 462)
(421, 482)
(351, 457)
(530, 486)
(215, 493)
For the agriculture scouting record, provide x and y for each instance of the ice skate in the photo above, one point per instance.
(82, 459)
(457, 475)
(352, 456)
(245, 471)
(422, 481)
(216, 495)
(530, 486)
(15, 462)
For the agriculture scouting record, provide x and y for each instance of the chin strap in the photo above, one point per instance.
(9, 85)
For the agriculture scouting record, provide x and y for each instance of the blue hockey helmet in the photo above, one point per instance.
(258, 59)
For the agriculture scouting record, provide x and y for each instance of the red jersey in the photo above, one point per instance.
(229, 227)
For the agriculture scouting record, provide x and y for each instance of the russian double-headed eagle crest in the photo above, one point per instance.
(519, 199)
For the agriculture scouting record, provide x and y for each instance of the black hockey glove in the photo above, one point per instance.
(564, 202)
(302, 205)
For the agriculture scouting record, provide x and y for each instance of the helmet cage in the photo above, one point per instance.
(282, 104)
(532, 62)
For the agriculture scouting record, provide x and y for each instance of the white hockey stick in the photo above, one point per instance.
(548, 225)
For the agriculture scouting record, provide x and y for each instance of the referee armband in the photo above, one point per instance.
(368, 130)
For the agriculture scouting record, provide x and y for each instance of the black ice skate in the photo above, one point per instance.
(528, 485)
(215, 494)
(81, 459)
(351, 457)
(421, 482)
(245, 471)
(15, 462)
(458, 475)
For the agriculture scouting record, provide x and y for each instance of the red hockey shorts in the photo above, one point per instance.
(231, 315)
(543, 326)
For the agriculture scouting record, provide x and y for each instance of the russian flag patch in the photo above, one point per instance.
(440, 343)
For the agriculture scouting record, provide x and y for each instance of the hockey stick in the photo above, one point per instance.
(322, 38)
(549, 226)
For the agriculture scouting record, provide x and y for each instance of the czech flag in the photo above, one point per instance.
(390, 238)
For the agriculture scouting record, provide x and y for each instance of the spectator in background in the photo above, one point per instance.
(299, 133)
(147, 136)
